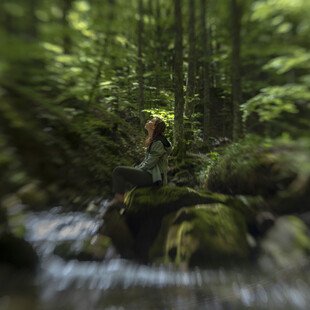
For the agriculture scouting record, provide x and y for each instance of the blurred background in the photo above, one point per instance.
(78, 81)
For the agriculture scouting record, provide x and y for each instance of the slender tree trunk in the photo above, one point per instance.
(212, 65)
(205, 71)
(190, 90)
(140, 67)
(7, 20)
(158, 46)
(178, 82)
(236, 68)
(33, 21)
(217, 50)
(67, 5)
(103, 49)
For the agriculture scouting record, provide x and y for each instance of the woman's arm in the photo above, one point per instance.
(156, 151)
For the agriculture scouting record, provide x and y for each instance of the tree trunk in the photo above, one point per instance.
(158, 47)
(205, 71)
(7, 20)
(212, 52)
(178, 82)
(103, 48)
(140, 67)
(67, 5)
(236, 68)
(33, 21)
(190, 90)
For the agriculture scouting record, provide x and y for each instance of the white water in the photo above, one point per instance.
(119, 284)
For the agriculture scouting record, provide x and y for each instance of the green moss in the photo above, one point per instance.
(202, 235)
(31, 194)
(140, 199)
(277, 170)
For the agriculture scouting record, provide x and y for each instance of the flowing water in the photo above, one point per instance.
(116, 283)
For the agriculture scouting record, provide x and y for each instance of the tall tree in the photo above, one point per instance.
(103, 44)
(236, 14)
(158, 46)
(178, 81)
(33, 22)
(140, 68)
(206, 99)
(66, 7)
(191, 75)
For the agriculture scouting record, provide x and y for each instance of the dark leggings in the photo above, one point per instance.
(125, 178)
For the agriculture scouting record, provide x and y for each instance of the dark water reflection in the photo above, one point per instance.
(120, 284)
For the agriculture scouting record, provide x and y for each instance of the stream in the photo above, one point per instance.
(116, 283)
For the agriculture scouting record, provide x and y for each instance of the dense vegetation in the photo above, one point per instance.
(79, 78)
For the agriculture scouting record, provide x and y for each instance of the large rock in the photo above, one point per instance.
(167, 197)
(17, 252)
(203, 235)
(94, 248)
(286, 244)
(13, 210)
(279, 172)
(146, 207)
(32, 195)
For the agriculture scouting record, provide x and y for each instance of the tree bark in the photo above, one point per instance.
(191, 77)
(67, 5)
(33, 21)
(158, 48)
(205, 71)
(7, 21)
(103, 49)
(178, 82)
(140, 65)
(236, 68)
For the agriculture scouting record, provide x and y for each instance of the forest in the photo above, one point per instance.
(78, 81)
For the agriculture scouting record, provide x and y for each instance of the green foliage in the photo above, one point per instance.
(277, 169)
(70, 82)
(273, 101)
(299, 59)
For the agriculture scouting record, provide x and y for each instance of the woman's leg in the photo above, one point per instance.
(122, 175)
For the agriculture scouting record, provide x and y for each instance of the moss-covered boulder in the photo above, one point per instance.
(32, 195)
(164, 197)
(95, 248)
(286, 244)
(275, 169)
(203, 235)
(146, 207)
(14, 211)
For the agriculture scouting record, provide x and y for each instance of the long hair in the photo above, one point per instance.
(160, 127)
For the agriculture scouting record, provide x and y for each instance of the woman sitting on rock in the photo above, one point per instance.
(152, 170)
